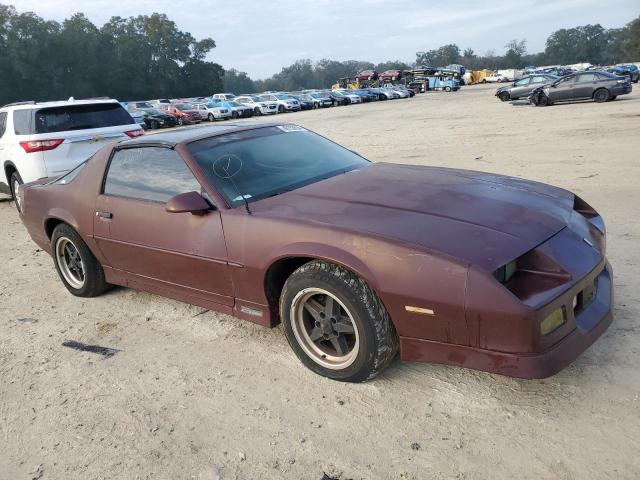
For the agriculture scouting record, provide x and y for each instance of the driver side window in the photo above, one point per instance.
(523, 82)
(149, 173)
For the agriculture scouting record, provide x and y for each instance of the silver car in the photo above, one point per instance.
(523, 87)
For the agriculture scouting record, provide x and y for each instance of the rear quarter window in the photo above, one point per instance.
(22, 122)
(81, 117)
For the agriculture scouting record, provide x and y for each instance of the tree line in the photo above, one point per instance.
(150, 57)
(127, 58)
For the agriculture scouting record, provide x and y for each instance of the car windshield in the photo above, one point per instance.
(267, 161)
(256, 99)
(317, 95)
(154, 111)
(184, 106)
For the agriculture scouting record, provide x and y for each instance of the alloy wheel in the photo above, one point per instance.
(70, 262)
(324, 328)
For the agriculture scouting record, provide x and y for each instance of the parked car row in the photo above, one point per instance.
(153, 114)
(546, 89)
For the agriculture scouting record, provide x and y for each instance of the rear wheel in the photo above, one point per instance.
(336, 324)
(504, 96)
(78, 268)
(601, 95)
(15, 181)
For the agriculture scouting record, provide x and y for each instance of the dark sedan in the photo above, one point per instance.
(154, 118)
(306, 101)
(273, 223)
(523, 87)
(338, 98)
(599, 86)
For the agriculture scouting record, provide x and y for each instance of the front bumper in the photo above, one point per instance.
(591, 323)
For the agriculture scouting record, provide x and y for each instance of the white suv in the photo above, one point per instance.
(212, 112)
(260, 107)
(285, 102)
(223, 96)
(48, 139)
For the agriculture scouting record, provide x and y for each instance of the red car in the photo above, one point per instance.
(273, 223)
(185, 113)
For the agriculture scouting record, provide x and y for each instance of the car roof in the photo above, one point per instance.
(59, 103)
(186, 135)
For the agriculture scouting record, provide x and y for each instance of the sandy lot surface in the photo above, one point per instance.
(194, 395)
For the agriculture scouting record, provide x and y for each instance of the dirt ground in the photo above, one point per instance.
(193, 395)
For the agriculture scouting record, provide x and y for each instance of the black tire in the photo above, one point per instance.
(542, 100)
(15, 180)
(234, 114)
(601, 95)
(180, 122)
(211, 118)
(504, 96)
(378, 341)
(280, 109)
(316, 105)
(94, 283)
(154, 125)
(257, 111)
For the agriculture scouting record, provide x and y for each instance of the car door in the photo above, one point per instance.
(520, 88)
(563, 89)
(586, 84)
(182, 252)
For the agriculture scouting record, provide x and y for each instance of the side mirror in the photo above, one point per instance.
(191, 202)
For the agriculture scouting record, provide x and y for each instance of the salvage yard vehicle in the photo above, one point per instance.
(260, 107)
(306, 100)
(596, 85)
(45, 139)
(630, 71)
(223, 96)
(237, 109)
(154, 118)
(212, 111)
(348, 94)
(321, 99)
(522, 88)
(184, 112)
(495, 78)
(272, 223)
(285, 102)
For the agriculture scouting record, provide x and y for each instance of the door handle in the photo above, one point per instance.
(106, 215)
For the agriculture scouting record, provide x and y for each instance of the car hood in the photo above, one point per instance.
(479, 218)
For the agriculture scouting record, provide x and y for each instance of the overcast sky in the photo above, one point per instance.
(260, 37)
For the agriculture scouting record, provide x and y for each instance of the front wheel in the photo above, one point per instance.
(280, 109)
(257, 111)
(335, 324)
(504, 96)
(15, 181)
(211, 117)
(78, 268)
(601, 95)
(180, 122)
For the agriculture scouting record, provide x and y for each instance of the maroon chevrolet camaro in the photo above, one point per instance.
(273, 223)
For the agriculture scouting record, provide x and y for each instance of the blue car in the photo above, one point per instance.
(629, 70)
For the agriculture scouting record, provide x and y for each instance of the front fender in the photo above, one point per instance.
(327, 253)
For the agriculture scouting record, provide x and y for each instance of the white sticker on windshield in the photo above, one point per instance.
(240, 197)
(291, 128)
